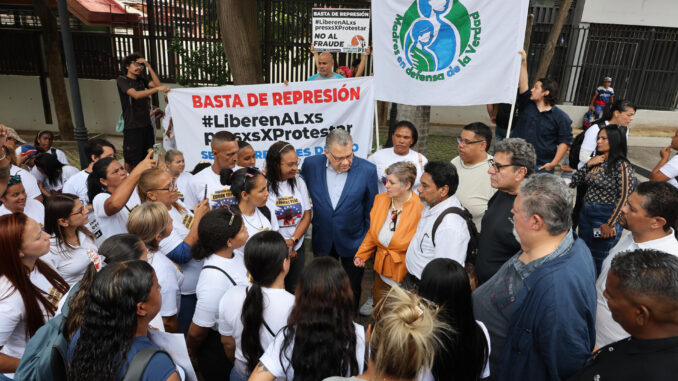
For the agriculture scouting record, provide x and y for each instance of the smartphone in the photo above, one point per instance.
(204, 197)
(157, 151)
(597, 233)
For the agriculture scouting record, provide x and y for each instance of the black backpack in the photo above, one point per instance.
(472, 248)
(575, 148)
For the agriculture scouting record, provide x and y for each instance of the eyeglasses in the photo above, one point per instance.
(343, 158)
(467, 142)
(293, 164)
(170, 188)
(81, 211)
(138, 64)
(498, 167)
(13, 180)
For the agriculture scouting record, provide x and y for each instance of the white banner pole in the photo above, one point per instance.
(376, 124)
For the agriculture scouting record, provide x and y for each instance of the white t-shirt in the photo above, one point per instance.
(170, 279)
(258, 222)
(67, 173)
(182, 186)
(607, 329)
(29, 182)
(218, 194)
(77, 185)
(117, 223)
(670, 170)
(168, 142)
(33, 209)
(213, 284)
(290, 207)
(181, 225)
(385, 157)
(277, 306)
(271, 357)
(475, 190)
(486, 371)
(71, 264)
(13, 338)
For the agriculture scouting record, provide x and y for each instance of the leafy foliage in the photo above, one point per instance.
(204, 65)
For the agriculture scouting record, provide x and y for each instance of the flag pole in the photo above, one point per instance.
(510, 123)
(376, 123)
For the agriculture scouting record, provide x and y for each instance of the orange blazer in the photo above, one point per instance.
(390, 261)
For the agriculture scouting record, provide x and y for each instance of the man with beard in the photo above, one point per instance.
(513, 162)
(134, 90)
(539, 308)
(651, 215)
(450, 239)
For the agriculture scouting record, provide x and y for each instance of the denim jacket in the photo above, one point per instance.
(552, 330)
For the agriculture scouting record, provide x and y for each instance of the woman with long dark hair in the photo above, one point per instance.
(220, 232)
(111, 193)
(30, 289)
(15, 200)
(609, 180)
(250, 191)
(463, 356)
(72, 246)
(151, 222)
(620, 113)
(123, 299)
(51, 173)
(158, 185)
(250, 316)
(320, 339)
(289, 195)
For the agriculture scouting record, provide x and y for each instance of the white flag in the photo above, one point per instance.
(448, 52)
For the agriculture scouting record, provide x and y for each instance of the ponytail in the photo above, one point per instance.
(252, 319)
(94, 186)
(214, 230)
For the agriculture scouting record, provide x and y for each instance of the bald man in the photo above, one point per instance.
(325, 65)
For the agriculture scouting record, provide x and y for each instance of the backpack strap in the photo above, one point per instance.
(136, 368)
(265, 211)
(463, 213)
(219, 269)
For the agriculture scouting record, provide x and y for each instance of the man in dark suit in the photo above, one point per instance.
(342, 188)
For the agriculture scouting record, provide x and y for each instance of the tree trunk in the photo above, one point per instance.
(55, 68)
(420, 116)
(552, 39)
(239, 35)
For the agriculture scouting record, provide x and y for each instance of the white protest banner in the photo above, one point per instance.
(341, 30)
(301, 113)
(444, 52)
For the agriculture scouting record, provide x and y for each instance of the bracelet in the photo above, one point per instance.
(295, 240)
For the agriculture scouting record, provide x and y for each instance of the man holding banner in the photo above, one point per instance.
(342, 188)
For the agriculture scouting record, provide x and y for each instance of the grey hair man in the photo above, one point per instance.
(539, 307)
(642, 293)
(207, 183)
(342, 188)
(650, 214)
(514, 160)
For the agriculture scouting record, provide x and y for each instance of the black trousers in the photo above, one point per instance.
(296, 266)
(355, 274)
(212, 361)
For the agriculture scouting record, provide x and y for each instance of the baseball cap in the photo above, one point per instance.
(607, 79)
(28, 150)
(13, 134)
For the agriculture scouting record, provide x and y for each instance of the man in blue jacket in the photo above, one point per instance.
(342, 188)
(539, 307)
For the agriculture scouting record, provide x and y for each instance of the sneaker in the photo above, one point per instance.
(367, 307)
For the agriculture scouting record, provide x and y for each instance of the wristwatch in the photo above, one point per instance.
(295, 240)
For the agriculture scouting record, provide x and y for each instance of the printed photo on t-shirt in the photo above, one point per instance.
(288, 211)
(187, 221)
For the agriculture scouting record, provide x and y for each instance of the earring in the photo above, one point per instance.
(21, 255)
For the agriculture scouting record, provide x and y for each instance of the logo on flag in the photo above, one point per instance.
(429, 38)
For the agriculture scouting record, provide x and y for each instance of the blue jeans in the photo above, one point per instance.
(591, 216)
(4, 378)
(598, 111)
(236, 376)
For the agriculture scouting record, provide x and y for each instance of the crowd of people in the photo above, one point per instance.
(485, 266)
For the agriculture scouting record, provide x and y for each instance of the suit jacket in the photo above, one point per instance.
(390, 261)
(345, 226)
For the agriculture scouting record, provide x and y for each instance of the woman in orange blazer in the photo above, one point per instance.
(393, 222)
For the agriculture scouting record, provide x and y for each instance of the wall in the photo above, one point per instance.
(469, 114)
(21, 108)
(21, 104)
(661, 13)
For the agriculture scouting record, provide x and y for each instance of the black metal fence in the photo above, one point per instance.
(181, 39)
